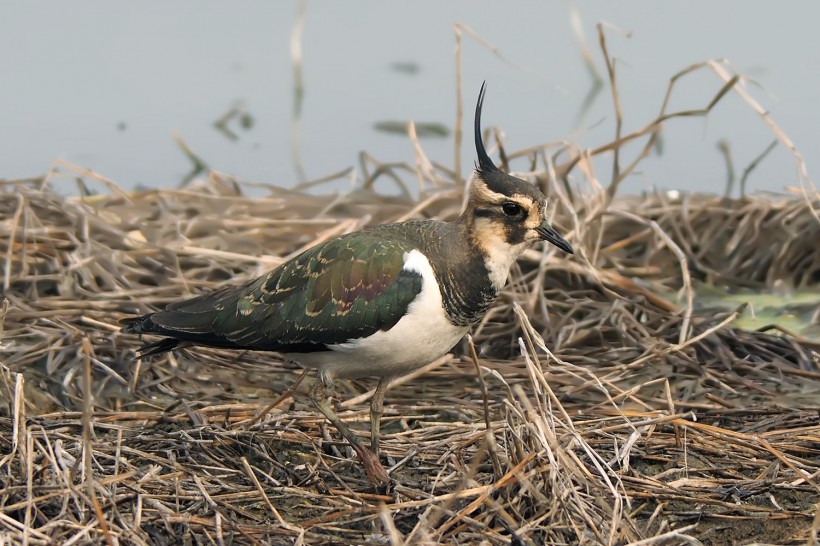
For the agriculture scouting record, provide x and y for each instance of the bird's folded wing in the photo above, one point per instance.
(345, 289)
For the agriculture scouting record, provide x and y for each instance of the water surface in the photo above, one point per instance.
(106, 84)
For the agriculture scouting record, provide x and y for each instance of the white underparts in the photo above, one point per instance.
(421, 336)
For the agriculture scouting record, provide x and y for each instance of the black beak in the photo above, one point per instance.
(548, 234)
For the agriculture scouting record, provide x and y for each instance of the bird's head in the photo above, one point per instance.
(507, 214)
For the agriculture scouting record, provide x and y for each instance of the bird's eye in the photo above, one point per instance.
(512, 209)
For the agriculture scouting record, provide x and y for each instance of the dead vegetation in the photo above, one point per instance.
(595, 404)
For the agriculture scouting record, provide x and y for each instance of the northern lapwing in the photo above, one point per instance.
(380, 302)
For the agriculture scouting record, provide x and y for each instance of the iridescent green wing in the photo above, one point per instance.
(347, 288)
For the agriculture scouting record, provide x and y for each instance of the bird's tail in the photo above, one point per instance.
(136, 325)
(143, 325)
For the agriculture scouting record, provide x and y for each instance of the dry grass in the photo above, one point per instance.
(611, 430)
(608, 408)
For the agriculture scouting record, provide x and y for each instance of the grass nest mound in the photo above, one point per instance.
(596, 403)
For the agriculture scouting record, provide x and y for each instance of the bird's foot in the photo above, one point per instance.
(376, 473)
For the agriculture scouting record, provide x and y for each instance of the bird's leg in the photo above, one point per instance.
(372, 467)
(376, 410)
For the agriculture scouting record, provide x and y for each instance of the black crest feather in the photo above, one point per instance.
(485, 164)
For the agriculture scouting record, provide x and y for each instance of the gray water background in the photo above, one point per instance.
(104, 85)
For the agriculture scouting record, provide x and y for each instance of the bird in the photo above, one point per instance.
(379, 302)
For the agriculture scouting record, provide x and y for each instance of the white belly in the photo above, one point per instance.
(421, 336)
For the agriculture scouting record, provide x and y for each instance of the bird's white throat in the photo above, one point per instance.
(499, 255)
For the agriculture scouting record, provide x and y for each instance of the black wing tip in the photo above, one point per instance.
(485, 164)
(158, 347)
(142, 324)
(135, 325)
